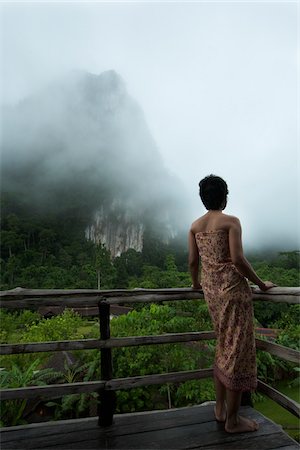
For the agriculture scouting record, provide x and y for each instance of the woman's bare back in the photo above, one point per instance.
(213, 221)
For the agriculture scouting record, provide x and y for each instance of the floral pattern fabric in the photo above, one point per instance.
(229, 300)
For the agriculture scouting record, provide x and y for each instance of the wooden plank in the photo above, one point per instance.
(154, 298)
(276, 295)
(268, 442)
(53, 390)
(289, 295)
(54, 346)
(123, 425)
(146, 432)
(195, 436)
(295, 446)
(23, 293)
(36, 302)
(166, 338)
(286, 353)
(83, 344)
(162, 378)
(30, 298)
(107, 399)
(148, 420)
(284, 401)
(142, 430)
(34, 430)
(199, 435)
(58, 390)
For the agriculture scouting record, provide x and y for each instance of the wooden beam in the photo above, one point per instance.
(84, 344)
(74, 302)
(161, 339)
(154, 298)
(290, 295)
(284, 401)
(33, 298)
(162, 378)
(286, 353)
(58, 390)
(107, 399)
(34, 303)
(53, 390)
(73, 293)
(54, 346)
(26, 293)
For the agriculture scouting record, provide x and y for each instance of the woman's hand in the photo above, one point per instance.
(196, 286)
(267, 285)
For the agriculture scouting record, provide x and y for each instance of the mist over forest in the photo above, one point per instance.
(83, 183)
(79, 150)
(199, 93)
(81, 144)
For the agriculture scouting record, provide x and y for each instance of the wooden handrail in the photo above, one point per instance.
(33, 299)
(286, 353)
(284, 401)
(22, 292)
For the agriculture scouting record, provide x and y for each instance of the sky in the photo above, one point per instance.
(217, 82)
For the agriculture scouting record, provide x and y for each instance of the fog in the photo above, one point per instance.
(217, 83)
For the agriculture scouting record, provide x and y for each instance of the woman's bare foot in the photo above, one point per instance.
(241, 425)
(220, 413)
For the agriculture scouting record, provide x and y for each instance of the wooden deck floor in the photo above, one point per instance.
(185, 428)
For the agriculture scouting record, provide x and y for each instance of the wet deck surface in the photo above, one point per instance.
(185, 428)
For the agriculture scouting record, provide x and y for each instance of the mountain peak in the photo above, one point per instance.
(83, 144)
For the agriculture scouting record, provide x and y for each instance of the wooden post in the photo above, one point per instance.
(107, 399)
(246, 399)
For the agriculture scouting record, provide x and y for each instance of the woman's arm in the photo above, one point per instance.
(238, 258)
(194, 260)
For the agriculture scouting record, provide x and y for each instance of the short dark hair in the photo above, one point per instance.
(213, 192)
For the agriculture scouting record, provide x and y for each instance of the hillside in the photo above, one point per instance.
(80, 150)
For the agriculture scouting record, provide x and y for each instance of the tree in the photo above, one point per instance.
(288, 260)
(128, 265)
(104, 268)
(13, 266)
(143, 360)
(10, 241)
(47, 238)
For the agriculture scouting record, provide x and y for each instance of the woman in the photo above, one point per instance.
(216, 237)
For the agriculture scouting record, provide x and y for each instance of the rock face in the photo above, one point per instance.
(117, 236)
(82, 146)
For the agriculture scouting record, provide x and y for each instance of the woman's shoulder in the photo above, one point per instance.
(196, 225)
(224, 222)
(231, 218)
(230, 221)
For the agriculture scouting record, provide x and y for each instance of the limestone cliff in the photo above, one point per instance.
(118, 234)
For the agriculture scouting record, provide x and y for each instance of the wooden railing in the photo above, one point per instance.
(33, 299)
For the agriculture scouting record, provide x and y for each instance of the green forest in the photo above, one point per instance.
(40, 251)
(52, 252)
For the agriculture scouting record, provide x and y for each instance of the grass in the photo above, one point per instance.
(279, 415)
